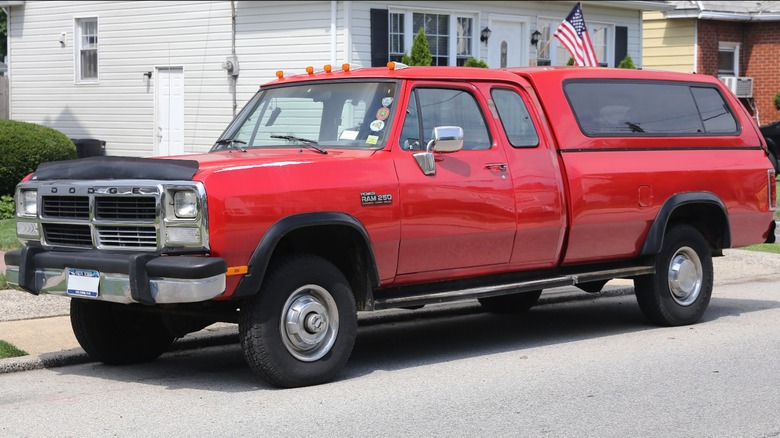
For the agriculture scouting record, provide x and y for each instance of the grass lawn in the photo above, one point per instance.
(8, 350)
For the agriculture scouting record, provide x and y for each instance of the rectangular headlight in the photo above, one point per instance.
(27, 203)
(185, 204)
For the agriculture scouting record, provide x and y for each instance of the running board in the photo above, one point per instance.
(445, 296)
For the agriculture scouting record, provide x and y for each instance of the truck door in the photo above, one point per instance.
(463, 215)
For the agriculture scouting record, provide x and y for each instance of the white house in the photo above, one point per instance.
(166, 77)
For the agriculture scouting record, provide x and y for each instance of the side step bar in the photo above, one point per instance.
(508, 288)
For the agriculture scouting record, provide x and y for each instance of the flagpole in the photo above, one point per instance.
(542, 49)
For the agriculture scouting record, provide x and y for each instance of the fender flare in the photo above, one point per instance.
(655, 235)
(261, 257)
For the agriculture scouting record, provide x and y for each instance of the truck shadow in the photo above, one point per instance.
(396, 340)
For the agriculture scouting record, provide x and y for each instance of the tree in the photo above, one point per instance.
(627, 62)
(421, 55)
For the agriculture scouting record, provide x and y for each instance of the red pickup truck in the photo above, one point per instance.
(340, 191)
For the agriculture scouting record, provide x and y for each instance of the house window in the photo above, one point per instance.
(436, 28)
(555, 54)
(599, 36)
(728, 59)
(451, 38)
(86, 50)
(464, 39)
(396, 37)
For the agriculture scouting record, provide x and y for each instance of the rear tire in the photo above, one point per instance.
(117, 335)
(680, 290)
(513, 303)
(299, 329)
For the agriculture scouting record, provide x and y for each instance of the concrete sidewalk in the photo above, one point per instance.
(40, 325)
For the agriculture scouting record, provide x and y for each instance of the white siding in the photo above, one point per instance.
(133, 38)
(138, 36)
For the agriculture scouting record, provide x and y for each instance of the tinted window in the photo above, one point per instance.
(515, 119)
(444, 107)
(642, 108)
(714, 111)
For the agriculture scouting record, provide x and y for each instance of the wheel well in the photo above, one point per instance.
(708, 218)
(702, 210)
(341, 245)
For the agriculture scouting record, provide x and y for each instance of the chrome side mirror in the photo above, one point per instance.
(445, 139)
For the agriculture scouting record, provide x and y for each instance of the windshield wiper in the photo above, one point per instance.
(306, 142)
(634, 127)
(231, 143)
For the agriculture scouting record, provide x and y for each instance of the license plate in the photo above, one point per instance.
(83, 283)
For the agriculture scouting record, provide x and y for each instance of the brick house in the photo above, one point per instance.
(728, 39)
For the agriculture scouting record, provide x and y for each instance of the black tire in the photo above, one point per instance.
(513, 303)
(117, 335)
(680, 290)
(306, 291)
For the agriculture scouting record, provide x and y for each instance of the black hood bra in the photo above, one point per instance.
(117, 168)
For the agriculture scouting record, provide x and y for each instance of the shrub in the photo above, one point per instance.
(7, 207)
(627, 62)
(777, 101)
(23, 146)
(421, 54)
(473, 62)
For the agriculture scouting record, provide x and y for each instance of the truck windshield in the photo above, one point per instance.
(351, 114)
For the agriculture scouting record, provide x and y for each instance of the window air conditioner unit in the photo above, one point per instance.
(741, 87)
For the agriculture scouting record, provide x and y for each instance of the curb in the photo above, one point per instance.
(77, 356)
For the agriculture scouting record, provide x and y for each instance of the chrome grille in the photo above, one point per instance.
(127, 237)
(66, 207)
(141, 208)
(67, 234)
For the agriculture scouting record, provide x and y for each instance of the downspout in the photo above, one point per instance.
(696, 45)
(234, 79)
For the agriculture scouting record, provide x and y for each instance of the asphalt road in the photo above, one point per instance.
(592, 367)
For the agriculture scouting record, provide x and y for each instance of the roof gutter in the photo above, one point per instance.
(722, 16)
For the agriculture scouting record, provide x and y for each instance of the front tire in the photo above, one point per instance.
(680, 290)
(300, 328)
(117, 335)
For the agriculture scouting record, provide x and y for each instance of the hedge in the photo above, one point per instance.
(23, 146)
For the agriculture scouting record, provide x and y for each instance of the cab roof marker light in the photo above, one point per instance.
(327, 68)
(392, 65)
(345, 67)
(310, 70)
(280, 74)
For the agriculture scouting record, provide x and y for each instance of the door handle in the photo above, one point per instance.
(501, 167)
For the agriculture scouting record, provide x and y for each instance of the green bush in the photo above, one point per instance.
(777, 101)
(7, 207)
(23, 146)
(627, 62)
(473, 62)
(421, 54)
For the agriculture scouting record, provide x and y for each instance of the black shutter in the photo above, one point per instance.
(380, 51)
(621, 44)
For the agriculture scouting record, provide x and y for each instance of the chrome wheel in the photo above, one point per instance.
(685, 276)
(309, 323)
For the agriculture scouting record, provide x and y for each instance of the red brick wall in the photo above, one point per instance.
(762, 62)
(759, 57)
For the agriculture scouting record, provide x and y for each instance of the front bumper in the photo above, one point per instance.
(124, 277)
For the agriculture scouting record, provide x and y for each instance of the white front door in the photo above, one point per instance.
(169, 93)
(507, 45)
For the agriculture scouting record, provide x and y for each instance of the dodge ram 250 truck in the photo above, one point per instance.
(351, 190)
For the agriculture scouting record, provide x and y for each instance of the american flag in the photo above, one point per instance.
(573, 34)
